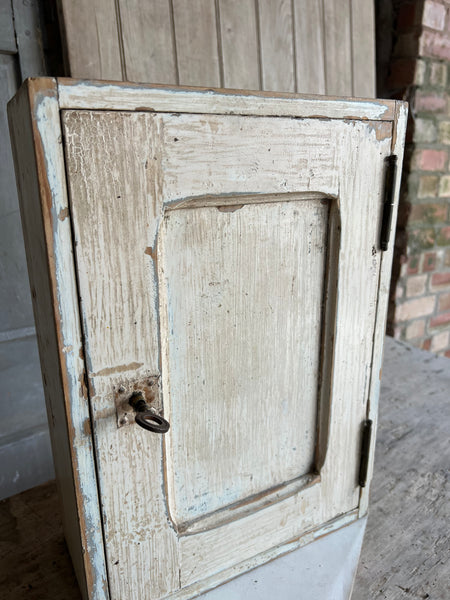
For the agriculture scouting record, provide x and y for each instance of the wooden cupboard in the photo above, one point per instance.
(218, 254)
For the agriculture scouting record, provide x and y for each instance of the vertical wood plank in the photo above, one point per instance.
(90, 32)
(7, 38)
(148, 43)
(239, 38)
(29, 38)
(196, 42)
(338, 48)
(309, 46)
(363, 48)
(277, 45)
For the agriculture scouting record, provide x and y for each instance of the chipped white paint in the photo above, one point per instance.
(383, 298)
(48, 124)
(102, 96)
(163, 205)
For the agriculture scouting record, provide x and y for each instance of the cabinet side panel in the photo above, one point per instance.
(37, 162)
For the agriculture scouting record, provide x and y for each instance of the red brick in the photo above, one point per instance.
(426, 344)
(440, 341)
(421, 238)
(415, 286)
(440, 279)
(413, 265)
(443, 319)
(447, 354)
(443, 238)
(412, 309)
(444, 302)
(429, 262)
(434, 45)
(447, 258)
(429, 213)
(427, 102)
(434, 15)
(432, 160)
(416, 329)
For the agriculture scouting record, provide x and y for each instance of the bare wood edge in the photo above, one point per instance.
(397, 145)
(105, 95)
(222, 577)
(43, 199)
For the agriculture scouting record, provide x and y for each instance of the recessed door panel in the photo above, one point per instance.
(241, 290)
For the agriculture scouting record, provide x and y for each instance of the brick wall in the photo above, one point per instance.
(420, 73)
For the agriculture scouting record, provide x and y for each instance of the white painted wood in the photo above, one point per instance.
(38, 155)
(323, 569)
(146, 188)
(103, 96)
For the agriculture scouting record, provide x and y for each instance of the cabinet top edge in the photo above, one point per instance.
(113, 95)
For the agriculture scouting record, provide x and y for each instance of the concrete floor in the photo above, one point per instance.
(406, 550)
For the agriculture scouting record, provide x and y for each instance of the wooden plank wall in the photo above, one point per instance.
(305, 46)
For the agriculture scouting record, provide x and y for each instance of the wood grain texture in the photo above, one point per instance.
(363, 48)
(284, 45)
(267, 306)
(309, 46)
(37, 150)
(117, 203)
(240, 44)
(338, 47)
(148, 41)
(277, 45)
(107, 95)
(196, 42)
(131, 174)
(91, 35)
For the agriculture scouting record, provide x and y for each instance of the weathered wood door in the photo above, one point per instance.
(227, 265)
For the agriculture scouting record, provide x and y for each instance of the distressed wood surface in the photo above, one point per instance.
(123, 257)
(37, 150)
(320, 47)
(101, 95)
(131, 174)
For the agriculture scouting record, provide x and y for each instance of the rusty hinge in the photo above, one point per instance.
(388, 202)
(365, 449)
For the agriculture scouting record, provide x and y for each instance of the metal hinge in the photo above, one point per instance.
(388, 202)
(365, 449)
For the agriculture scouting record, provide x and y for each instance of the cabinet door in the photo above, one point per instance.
(228, 267)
